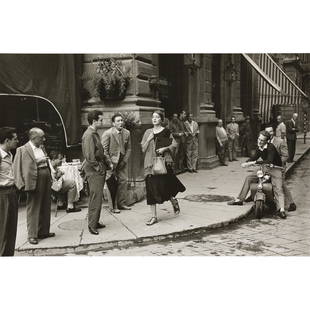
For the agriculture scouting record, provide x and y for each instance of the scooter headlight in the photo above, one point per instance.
(260, 174)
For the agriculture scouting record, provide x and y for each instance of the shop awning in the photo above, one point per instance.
(275, 87)
(52, 77)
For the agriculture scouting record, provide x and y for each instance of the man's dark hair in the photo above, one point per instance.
(93, 116)
(265, 134)
(116, 115)
(6, 133)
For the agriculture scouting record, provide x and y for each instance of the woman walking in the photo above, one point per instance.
(158, 141)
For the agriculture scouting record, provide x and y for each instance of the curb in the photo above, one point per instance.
(81, 249)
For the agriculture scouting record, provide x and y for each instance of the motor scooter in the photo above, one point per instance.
(262, 192)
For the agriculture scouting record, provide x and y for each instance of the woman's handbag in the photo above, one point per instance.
(159, 165)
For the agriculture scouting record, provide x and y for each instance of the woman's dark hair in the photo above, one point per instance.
(93, 116)
(161, 114)
(6, 133)
(116, 115)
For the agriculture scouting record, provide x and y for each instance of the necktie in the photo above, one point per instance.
(121, 142)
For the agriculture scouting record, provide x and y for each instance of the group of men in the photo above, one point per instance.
(31, 173)
(288, 132)
(227, 140)
(271, 150)
(185, 131)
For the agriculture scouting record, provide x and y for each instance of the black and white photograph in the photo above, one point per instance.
(154, 155)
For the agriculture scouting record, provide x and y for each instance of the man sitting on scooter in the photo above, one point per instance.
(269, 155)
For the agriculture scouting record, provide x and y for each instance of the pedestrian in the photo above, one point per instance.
(246, 137)
(177, 129)
(117, 148)
(233, 135)
(280, 128)
(94, 168)
(192, 143)
(221, 142)
(282, 149)
(159, 142)
(291, 137)
(8, 195)
(32, 175)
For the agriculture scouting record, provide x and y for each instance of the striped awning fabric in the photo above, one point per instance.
(275, 87)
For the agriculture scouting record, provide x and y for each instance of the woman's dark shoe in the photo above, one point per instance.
(175, 205)
(152, 221)
(93, 231)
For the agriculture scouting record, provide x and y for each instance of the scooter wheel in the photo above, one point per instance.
(259, 206)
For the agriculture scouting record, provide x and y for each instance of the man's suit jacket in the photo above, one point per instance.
(191, 135)
(25, 168)
(232, 130)
(281, 147)
(111, 146)
(291, 130)
(95, 161)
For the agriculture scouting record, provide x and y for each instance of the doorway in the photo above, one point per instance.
(173, 95)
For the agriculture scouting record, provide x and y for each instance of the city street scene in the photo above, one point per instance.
(154, 155)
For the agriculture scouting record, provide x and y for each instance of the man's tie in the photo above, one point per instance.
(121, 142)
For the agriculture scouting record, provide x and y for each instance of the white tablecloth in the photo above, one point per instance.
(71, 172)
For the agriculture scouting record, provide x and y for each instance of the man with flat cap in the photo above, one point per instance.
(32, 175)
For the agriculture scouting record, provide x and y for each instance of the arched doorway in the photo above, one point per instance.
(25, 111)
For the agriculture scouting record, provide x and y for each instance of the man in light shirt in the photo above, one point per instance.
(281, 128)
(8, 195)
(222, 142)
(32, 175)
(191, 143)
(233, 135)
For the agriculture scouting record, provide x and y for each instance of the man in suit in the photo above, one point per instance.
(32, 175)
(94, 168)
(269, 155)
(8, 195)
(291, 128)
(281, 147)
(191, 143)
(246, 137)
(117, 147)
(281, 128)
(233, 135)
(221, 142)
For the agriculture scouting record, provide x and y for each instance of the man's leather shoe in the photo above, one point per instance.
(33, 240)
(292, 207)
(124, 208)
(195, 171)
(282, 214)
(73, 210)
(249, 199)
(99, 225)
(235, 203)
(93, 231)
(49, 235)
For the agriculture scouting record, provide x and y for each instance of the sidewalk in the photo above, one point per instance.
(203, 207)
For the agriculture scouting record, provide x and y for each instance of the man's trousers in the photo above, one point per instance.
(192, 153)
(8, 220)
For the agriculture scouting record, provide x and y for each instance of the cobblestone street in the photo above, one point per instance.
(266, 237)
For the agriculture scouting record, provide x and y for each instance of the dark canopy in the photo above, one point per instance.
(54, 77)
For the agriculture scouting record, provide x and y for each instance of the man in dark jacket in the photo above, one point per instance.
(291, 130)
(94, 168)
